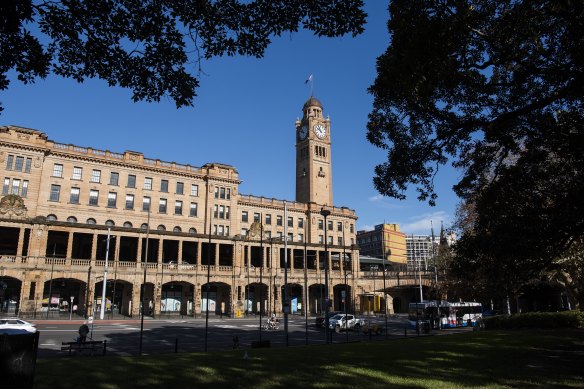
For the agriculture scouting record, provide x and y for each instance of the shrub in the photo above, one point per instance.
(569, 319)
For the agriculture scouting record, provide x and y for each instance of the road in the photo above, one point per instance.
(166, 336)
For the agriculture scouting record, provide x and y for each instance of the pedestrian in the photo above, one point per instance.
(83, 331)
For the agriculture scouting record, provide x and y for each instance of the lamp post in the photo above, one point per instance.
(51, 280)
(208, 280)
(102, 310)
(306, 303)
(326, 213)
(344, 264)
(143, 289)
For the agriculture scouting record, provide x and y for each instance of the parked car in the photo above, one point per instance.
(15, 325)
(319, 321)
(345, 322)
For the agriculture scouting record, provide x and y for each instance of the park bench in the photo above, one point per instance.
(90, 345)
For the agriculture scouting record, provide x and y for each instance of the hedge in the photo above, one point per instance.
(568, 319)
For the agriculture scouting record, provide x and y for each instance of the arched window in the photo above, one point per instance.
(127, 224)
(177, 229)
(110, 223)
(161, 227)
(144, 226)
(192, 230)
(52, 217)
(91, 221)
(72, 219)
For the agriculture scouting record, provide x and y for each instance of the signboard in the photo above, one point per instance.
(90, 319)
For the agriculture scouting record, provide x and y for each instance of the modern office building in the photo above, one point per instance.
(168, 233)
(384, 238)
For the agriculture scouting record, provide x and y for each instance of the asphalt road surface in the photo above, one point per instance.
(167, 336)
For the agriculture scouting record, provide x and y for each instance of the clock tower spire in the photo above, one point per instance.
(313, 156)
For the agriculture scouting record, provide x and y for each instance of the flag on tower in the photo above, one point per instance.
(309, 79)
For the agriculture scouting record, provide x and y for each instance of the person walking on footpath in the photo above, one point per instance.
(83, 331)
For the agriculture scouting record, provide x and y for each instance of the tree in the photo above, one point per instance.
(153, 47)
(496, 88)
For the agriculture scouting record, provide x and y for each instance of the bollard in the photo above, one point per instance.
(406, 331)
(104, 346)
(176, 345)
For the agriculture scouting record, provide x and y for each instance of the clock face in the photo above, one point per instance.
(303, 132)
(320, 131)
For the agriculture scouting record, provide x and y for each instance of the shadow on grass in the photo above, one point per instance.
(479, 359)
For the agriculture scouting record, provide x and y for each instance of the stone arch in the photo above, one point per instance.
(219, 297)
(10, 295)
(176, 298)
(57, 297)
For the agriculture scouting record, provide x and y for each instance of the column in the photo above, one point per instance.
(94, 247)
(139, 250)
(69, 254)
(216, 260)
(135, 308)
(21, 241)
(199, 249)
(180, 251)
(160, 250)
(118, 240)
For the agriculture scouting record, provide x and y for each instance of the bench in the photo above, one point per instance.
(90, 345)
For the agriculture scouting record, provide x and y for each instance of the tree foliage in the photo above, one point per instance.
(496, 88)
(153, 47)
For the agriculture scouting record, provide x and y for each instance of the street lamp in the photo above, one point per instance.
(102, 310)
(326, 213)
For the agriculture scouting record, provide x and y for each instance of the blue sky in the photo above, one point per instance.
(244, 116)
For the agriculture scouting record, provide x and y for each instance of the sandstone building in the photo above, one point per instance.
(168, 224)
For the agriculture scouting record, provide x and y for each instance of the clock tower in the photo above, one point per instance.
(314, 181)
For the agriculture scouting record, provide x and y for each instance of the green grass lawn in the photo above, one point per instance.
(492, 359)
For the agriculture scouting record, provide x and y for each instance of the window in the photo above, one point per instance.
(111, 199)
(161, 227)
(93, 196)
(15, 186)
(57, 170)
(244, 216)
(180, 188)
(340, 241)
(19, 164)
(321, 239)
(162, 206)
(268, 234)
(176, 229)
(194, 190)
(148, 183)
(301, 237)
(55, 192)
(28, 165)
(193, 210)
(221, 193)
(145, 203)
(228, 197)
(351, 229)
(91, 221)
(77, 173)
(216, 192)
(110, 223)
(320, 225)
(52, 218)
(215, 211)
(6, 186)
(268, 219)
(9, 162)
(290, 221)
(192, 230)
(339, 226)
(129, 201)
(127, 224)
(24, 188)
(222, 212)
(330, 240)
(164, 185)
(114, 178)
(290, 237)
(300, 223)
(330, 225)
(131, 181)
(227, 209)
(244, 231)
(72, 219)
(279, 234)
(278, 220)
(178, 207)
(95, 176)
(256, 217)
(74, 197)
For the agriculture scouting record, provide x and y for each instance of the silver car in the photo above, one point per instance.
(16, 326)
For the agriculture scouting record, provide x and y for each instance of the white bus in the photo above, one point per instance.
(444, 314)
